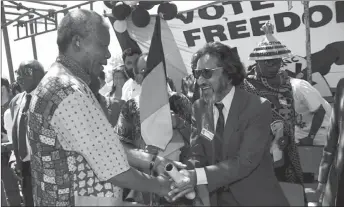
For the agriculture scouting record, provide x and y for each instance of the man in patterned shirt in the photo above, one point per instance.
(77, 159)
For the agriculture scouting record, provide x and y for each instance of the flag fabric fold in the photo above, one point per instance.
(155, 115)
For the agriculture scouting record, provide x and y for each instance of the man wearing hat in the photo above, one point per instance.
(268, 81)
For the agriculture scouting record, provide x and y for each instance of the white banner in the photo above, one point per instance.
(238, 25)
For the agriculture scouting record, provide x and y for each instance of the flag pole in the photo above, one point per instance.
(308, 41)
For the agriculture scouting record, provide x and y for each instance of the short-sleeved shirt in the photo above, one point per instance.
(130, 90)
(307, 100)
(74, 148)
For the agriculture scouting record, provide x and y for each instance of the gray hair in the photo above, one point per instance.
(77, 22)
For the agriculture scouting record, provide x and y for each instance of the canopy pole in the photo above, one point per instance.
(7, 44)
(33, 40)
(308, 41)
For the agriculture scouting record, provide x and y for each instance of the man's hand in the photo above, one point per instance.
(319, 192)
(165, 185)
(307, 141)
(181, 189)
(160, 163)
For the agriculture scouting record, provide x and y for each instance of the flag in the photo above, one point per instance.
(155, 115)
(290, 5)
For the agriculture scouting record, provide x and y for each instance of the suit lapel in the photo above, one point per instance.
(231, 142)
(208, 144)
(20, 106)
(15, 127)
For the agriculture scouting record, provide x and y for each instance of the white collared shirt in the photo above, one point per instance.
(307, 100)
(130, 90)
(227, 102)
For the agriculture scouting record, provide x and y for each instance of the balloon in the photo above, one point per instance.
(110, 4)
(120, 26)
(148, 4)
(140, 17)
(121, 11)
(130, 3)
(169, 10)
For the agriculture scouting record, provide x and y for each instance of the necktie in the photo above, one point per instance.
(23, 128)
(220, 125)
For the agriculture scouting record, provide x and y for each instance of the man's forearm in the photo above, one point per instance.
(136, 180)
(317, 120)
(137, 158)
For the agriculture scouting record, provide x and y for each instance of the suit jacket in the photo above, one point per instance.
(15, 104)
(332, 164)
(246, 166)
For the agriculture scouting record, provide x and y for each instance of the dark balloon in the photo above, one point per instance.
(121, 11)
(110, 4)
(169, 10)
(140, 17)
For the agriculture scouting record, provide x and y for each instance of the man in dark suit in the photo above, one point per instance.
(30, 73)
(331, 171)
(231, 139)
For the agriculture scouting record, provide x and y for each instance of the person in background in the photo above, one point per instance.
(113, 99)
(30, 73)
(77, 158)
(331, 170)
(269, 81)
(9, 181)
(190, 87)
(5, 94)
(130, 89)
(231, 138)
(313, 114)
(15, 88)
(129, 125)
(5, 100)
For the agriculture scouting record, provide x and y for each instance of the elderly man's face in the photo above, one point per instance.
(28, 78)
(214, 80)
(95, 50)
(269, 68)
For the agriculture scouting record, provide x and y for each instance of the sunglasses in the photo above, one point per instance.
(24, 72)
(206, 73)
(272, 62)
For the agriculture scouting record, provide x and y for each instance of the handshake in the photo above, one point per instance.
(176, 184)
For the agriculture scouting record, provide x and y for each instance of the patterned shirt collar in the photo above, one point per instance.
(75, 68)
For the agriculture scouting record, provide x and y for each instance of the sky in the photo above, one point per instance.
(46, 43)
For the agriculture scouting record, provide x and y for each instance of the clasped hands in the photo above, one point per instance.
(169, 189)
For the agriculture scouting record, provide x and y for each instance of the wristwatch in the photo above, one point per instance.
(152, 163)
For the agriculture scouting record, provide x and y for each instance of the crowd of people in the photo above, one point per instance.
(67, 144)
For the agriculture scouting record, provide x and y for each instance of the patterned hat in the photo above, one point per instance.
(269, 47)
